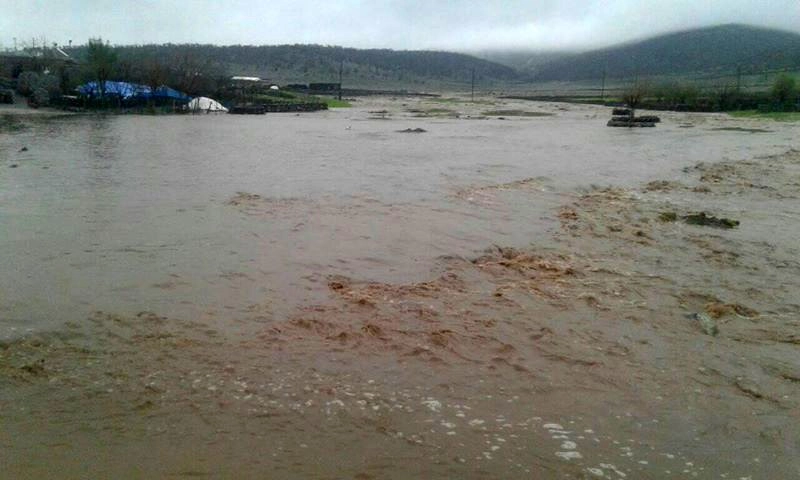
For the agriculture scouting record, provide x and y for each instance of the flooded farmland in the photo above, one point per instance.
(408, 288)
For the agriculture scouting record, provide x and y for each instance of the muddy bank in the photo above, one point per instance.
(579, 357)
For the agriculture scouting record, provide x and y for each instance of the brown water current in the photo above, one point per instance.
(404, 289)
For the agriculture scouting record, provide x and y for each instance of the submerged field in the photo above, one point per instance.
(402, 289)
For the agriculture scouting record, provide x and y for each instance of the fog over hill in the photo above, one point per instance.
(317, 63)
(719, 49)
(724, 48)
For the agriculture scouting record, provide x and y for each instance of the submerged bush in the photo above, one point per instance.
(39, 98)
(784, 90)
(676, 93)
(27, 83)
(50, 83)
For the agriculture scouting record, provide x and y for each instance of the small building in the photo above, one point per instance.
(324, 87)
(239, 78)
(14, 62)
(245, 81)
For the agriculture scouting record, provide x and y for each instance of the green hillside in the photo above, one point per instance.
(315, 63)
(721, 49)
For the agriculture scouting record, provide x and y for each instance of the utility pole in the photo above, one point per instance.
(603, 87)
(473, 85)
(341, 67)
(738, 78)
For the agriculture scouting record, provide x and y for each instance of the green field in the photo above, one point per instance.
(777, 116)
(336, 103)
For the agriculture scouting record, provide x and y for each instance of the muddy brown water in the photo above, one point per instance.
(322, 296)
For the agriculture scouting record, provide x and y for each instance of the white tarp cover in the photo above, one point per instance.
(205, 104)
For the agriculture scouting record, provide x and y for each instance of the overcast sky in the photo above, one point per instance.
(461, 25)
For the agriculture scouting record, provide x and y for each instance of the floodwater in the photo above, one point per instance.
(113, 213)
(326, 296)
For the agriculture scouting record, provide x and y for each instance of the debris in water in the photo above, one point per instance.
(749, 388)
(244, 197)
(668, 217)
(611, 467)
(719, 310)
(516, 113)
(629, 124)
(648, 118)
(569, 455)
(706, 220)
(707, 324)
(661, 186)
(433, 405)
(741, 129)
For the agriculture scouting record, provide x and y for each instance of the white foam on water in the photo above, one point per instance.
(609, 466)
(569, 455)
(432, 404)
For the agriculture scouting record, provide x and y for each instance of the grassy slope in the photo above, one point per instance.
(777, 116)
(361, 68)
(716, 49)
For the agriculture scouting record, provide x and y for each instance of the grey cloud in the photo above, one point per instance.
(454, 25)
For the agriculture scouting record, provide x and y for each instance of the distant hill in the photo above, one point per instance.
(316, 63)
(716, 49)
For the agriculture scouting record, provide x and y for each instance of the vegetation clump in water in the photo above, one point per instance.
(706, 323)
(667, 217)
(703, 219)
(516, 113)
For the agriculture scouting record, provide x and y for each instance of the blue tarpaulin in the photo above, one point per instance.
(123, 90)
(132, 91)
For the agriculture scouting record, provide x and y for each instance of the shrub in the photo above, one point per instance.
(634, 95)
(6, 95)
(50, 83)
(784, 89)
(39, 98)
(27, 83)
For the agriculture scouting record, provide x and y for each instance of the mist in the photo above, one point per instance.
(544, 25)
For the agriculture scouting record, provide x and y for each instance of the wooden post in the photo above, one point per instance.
(473, 85)
(341, 67)
(603, 88)
(738, 78)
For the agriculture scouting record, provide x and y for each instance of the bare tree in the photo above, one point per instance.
(784, 89)
(633, 97)
(195, 75)
(155, 73)
(101, 60)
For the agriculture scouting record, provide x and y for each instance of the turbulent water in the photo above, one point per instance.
(329, 296)
(120, 212)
